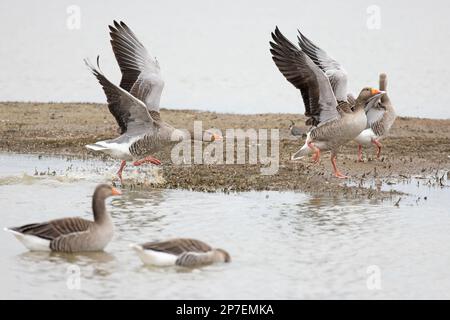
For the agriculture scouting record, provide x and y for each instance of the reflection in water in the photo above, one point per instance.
(84, 258)
(283, 244)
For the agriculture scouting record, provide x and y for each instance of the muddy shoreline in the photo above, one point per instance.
(415, 148)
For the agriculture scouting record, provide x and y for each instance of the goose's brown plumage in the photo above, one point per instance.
(177, 246)
(380, 114)
(318, 98)
(186, 252)
(380, 119)
(75, 234)
(135, 103)
(334, 71)
(334, 122)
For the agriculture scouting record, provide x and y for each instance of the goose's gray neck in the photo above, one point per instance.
(99, 209)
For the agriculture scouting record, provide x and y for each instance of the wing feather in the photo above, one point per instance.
(55, 228)
(318, 97)
(130, 113)
(141, 75)
(332, 69)
(177, 246)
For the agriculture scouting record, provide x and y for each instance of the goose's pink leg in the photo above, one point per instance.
(148, 159)
(316, 156)
(119, 173)
(360, 159)
(337, 173)
(378, 145)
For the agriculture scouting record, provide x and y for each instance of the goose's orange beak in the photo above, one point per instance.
(217, 137)
(116, 192)
(375, 91)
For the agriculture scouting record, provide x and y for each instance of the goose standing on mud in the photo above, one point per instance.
(72, 234)
(380, 112)
(334, 123)
(135, 103)
(179, 252)
(380, 119)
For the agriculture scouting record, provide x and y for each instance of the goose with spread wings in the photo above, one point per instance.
(183, 252)
(135, 103)
(333, 122)
(380, 112)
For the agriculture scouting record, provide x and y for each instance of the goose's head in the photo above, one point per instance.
(222, 255)
(104, 191)
(369, 94)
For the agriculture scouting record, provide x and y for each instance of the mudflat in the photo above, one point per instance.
(415, 148)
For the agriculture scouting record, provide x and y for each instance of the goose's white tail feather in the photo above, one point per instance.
(96, 147)
(366, 137)
(304, 150)
(32, 243)
(117, 150)
(155, 258)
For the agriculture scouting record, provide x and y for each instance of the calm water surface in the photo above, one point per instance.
(283, 244)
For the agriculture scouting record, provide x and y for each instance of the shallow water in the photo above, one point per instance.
(214, 55)
(283, 244)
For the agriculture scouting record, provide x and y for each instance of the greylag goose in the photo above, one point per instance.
(72, 234)
(179, 252)
(380, 118)
(333, 123)
(380, 112)
(296, 131)
(135, 103)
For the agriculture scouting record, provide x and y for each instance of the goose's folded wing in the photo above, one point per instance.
(318, 98)
(351, 99)
(177, 246)
(129, 112)
(194, 259)
(374, 116)
(332, 69)
(141, 75)
(55, 228)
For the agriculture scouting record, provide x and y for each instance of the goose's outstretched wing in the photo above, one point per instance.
(318, 97)
(332, 69)
(129, 112)
(141, 75)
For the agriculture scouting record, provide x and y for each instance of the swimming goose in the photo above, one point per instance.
(180, 252)
(380, 118)
(333, 123)
(72, 234)
(135, 103)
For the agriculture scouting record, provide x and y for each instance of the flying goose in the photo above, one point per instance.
(380, 118)
(71, 234)
(333, 123)
(180, 252)
(135, 103)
